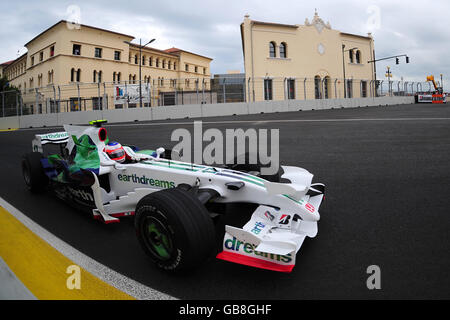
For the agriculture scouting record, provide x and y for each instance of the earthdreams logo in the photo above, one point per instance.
(146, 181)
(233, 244)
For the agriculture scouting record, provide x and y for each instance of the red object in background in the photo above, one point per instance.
(438, 98)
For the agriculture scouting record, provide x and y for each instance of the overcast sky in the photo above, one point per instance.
(420, 29)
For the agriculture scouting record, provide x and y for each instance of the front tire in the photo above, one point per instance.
(174, 229)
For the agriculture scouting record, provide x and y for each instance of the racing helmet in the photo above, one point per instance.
(115, 151)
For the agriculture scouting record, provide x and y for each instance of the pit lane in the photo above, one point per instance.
(387, 172)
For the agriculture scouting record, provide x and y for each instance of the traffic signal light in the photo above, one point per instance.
(407, 59)
(397, 61)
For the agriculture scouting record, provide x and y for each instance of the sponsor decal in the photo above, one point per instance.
(309, 207)
(146, 181)
(284, 219)
(54, 136)
(80, 194)
(233, 244)
(258, 227)
(424, 98)
(269, 216)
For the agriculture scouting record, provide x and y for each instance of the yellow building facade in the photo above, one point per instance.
(307, 61)
(80, 63)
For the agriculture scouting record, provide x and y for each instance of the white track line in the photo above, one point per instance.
(257, 122)
(113, 278)
(274, 121)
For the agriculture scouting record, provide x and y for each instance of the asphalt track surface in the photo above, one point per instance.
(387, 172)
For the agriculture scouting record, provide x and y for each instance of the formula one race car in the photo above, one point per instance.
(174, 202)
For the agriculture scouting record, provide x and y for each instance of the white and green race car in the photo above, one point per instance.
(174, 202)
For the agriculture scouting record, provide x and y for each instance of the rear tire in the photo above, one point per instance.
(174, 229)
(33, 173)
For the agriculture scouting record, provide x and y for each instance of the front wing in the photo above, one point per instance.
(264, 242)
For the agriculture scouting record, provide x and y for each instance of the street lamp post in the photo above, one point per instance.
(343, 66)
(140, 66)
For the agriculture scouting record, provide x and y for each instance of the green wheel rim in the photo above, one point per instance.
(158, 238)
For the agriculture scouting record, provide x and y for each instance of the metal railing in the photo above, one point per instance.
(77, 96)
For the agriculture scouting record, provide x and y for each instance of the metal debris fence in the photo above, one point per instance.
(79, 96)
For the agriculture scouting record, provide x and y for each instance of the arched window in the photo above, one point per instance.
(130, 78)
(72, 75)
(157, 62)
(94, 76)
(136, 61)
(272, 49)
(118, 77)
(78, 75)
(143, 60)
(174, 66)
(283, 50)
(317, 85)
(350, 55)
(150, 61)
(164, 64)
(114, 76)
(358, 56)
(99, 76)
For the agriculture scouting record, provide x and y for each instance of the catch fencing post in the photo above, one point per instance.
(98, 96)
(3, 104)
(105, 97)
(79, 99)
(59, 99)
(335, 88)
(17, 103)
(21, 105)
(37, 100)
(248, 86)
(54, 98)
(304, 87)
(203, 90)
(196, 88)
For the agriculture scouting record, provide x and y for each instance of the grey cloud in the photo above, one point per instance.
(417, 28)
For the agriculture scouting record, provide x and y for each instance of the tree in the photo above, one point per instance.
(9, 98)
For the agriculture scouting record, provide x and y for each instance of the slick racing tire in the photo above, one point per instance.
(33, 173)
(174, 229)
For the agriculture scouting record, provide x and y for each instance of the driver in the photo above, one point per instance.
(115, 151)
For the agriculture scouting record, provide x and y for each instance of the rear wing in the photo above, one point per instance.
(39, 140)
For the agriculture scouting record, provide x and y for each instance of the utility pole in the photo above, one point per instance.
(140, 66)
(343, 66)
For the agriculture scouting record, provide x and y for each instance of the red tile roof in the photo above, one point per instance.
(7, 63)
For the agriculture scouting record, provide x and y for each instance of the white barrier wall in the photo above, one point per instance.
(9, 123)
(193, 111)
